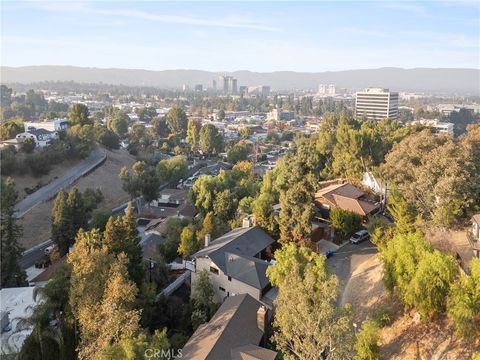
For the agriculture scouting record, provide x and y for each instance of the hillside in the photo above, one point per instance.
(465, 81)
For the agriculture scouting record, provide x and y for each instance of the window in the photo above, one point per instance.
(213, 270)
(221, 289)
(229, 278)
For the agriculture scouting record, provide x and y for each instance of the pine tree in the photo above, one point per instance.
(61, 223)
(76, 208)
(121, 235)
(11, 273)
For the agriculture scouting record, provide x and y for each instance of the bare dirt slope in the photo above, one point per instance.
(36, 223)
(405, 337)
(27, 180)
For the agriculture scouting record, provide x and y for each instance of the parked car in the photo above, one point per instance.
(49, 249)
(359, 236)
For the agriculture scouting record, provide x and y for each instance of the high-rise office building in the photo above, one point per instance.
(326, 90)
(376, 104)
(212, 85)
(227, 85)
(232, 85)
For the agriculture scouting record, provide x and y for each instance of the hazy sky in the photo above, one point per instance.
(226, 36)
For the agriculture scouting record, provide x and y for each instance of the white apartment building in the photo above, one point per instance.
(376, 104)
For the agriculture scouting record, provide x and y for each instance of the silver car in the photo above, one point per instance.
(359, 236)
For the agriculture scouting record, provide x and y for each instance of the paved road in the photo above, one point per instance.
(48, 191)
(33, 255)
(349, 258)
(36, 253)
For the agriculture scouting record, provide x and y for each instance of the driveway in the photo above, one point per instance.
(347, 259)
(49, 191)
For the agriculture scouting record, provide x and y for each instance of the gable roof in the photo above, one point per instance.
(233, 326)
(347, 197)
(346, 190)
(248, 241)
(247, 269)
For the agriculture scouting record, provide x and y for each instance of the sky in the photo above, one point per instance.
(248, 35)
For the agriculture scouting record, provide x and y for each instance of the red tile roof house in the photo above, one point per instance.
(347, 197)
(344, 195)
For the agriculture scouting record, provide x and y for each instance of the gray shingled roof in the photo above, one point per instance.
(233, 326)
(241, 241)
(247, 269)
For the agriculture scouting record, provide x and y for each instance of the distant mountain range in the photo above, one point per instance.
(449, 80)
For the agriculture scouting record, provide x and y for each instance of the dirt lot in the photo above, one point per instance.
(36, 223)
(406, 337)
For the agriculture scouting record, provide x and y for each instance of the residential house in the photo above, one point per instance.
(236, 331)
(345, 196)
(170, 202)
(236, 263)
(41, 137)
(474, 235)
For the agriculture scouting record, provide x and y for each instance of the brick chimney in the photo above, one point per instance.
(207, 240)
(262, 318)
(248, 221)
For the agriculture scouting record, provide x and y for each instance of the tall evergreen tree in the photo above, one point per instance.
(78, 214)
(121, 235)
(11, 273)
(61, 223)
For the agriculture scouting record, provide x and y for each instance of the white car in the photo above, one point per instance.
(359, 236)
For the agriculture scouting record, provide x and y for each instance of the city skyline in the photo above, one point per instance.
(230, 36)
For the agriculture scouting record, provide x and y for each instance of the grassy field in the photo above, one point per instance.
(36, 223)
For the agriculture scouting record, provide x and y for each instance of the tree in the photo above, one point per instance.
(118, 123)
(221, 115)
(121, 236)
(192, 135)
(346, 222)
(177, 120)
(141, 181)
(435, 174)
(28, 145)
(160, 126)
(107, 137)
(102, 298)
(225, 205)
(366, 344)
(296, 214)
(79, 115)
(202, 296)
(11, 128)
(264, 214)
(77, 211)
(430, 285)
(171, 170)
(211, 141)
(188, 242)
(61, 223)
(307, 323)
(461, 119)
(12, 274)
(239, 152)
(403, 212)
(100, 218)
(464, 303)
